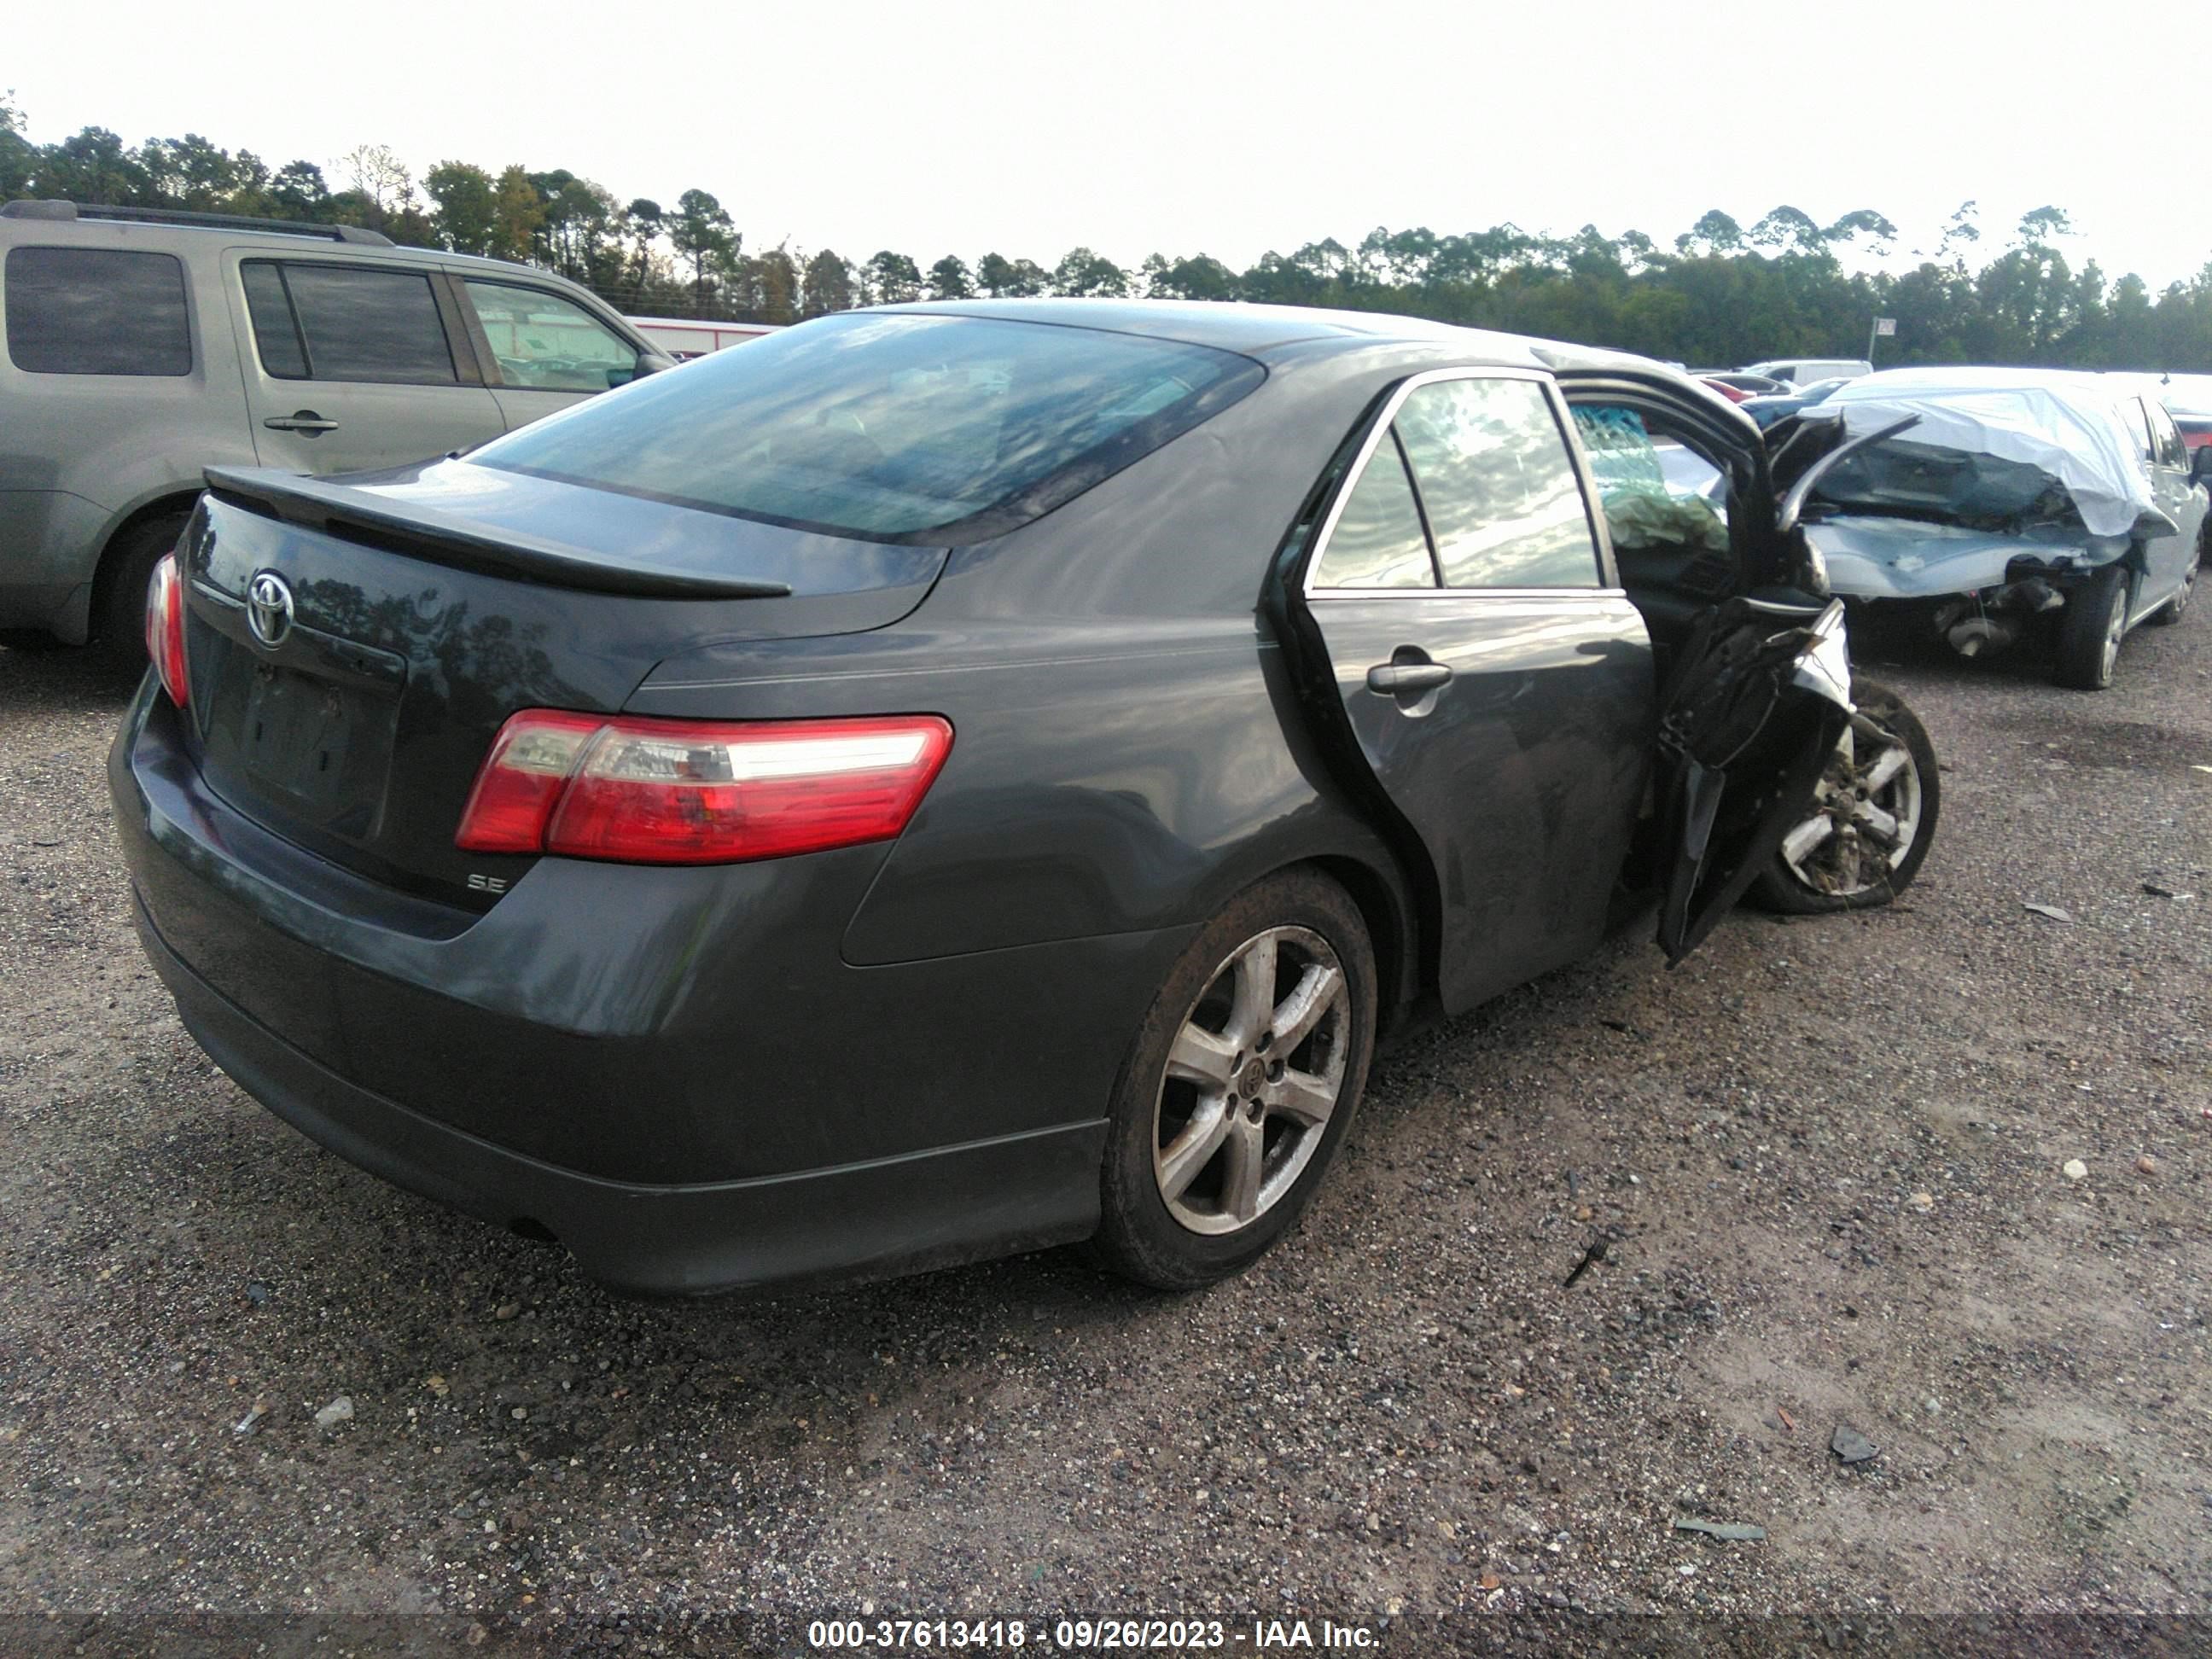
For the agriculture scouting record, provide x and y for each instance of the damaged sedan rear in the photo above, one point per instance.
(2040, 508)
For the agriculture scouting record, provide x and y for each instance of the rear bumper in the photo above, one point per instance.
(674, 1072)
(891, 1215)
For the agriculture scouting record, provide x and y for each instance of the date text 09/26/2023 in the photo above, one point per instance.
(1086, 1635)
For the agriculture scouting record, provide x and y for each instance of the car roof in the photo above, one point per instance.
(1937, 379)
(312, 239)
(1254, 329)
(1262, 332)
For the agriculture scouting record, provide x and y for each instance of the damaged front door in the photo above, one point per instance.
(1757, 682)
(1756, 702)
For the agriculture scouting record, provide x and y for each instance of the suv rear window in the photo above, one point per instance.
(892, 428)
(97, 310)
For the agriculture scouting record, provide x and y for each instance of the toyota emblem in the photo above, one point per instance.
(269, 608)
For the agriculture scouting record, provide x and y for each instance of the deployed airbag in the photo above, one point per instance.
(2065, 425)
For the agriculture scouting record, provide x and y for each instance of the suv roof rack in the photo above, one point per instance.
(71, 210)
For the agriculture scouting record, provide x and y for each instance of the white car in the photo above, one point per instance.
(2006, 503)
(1803, 371)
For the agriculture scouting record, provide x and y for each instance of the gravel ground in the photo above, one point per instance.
(1828, 1157)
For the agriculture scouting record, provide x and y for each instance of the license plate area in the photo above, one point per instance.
(308, 747)
(304, 740)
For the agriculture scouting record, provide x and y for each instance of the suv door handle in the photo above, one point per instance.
(1399, 679)
(305, 420)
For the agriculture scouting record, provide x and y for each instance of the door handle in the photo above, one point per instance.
(305, 420)
(1399, 679)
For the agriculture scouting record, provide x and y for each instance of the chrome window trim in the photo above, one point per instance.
(1561, 595)
(1562, 417)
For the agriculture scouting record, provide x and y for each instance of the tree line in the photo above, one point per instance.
(1721, 293)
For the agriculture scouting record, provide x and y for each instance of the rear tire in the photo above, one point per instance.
(120, 629)
(1239, 1086)
(1833, 876)
(2090, 632)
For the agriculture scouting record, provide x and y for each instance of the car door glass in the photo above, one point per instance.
(1498, 485)
(1656, 498)
(276, 330)
(359, 324)
(96, 311)
(2131, 411)
(546, 344)
(2167, 437)
(1377, 540)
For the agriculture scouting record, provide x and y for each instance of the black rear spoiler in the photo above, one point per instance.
(448, 538)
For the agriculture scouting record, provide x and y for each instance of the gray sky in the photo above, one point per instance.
(1226, 129)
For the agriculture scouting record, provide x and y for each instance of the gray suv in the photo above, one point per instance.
(145, 345)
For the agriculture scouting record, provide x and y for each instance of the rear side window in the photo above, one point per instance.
(347, 323)
(275, 331)
(1377, 540)
(890, 427)
(97, 310)
(1498, 485)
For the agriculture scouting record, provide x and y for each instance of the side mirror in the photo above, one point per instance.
(2200, 463)
(647, 363)
(2151, 525)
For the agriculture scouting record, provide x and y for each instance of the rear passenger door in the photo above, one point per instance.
(541, 350)
(2169, 560)
(1498, 683)
(357, 366)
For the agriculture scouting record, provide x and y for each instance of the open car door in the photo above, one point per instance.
(1756, 688)
(1757, 700)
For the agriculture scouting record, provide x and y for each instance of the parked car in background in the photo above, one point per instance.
(1803, 371)
(144, 346)
(684, 339)
(1767, 410)
(2019, 503)
(1736, 386)
(951, 780)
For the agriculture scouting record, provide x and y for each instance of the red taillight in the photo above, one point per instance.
(642, 791)
(165, 629)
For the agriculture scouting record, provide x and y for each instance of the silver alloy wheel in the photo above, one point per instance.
(1255, 1070)
(2116, 628)
(1866, 815)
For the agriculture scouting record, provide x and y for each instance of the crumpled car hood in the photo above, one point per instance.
(1878, 558)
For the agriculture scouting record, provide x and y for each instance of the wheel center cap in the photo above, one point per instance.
(1254, 1080)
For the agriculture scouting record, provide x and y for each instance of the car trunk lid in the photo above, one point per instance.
(355, 648)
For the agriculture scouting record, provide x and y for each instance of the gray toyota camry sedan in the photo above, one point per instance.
(955, 779)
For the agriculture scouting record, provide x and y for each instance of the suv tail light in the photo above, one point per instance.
(643, 791)
(165, 629)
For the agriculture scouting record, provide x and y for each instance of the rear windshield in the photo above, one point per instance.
(890, 427)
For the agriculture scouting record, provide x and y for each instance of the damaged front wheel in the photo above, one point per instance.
(1872, 817)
